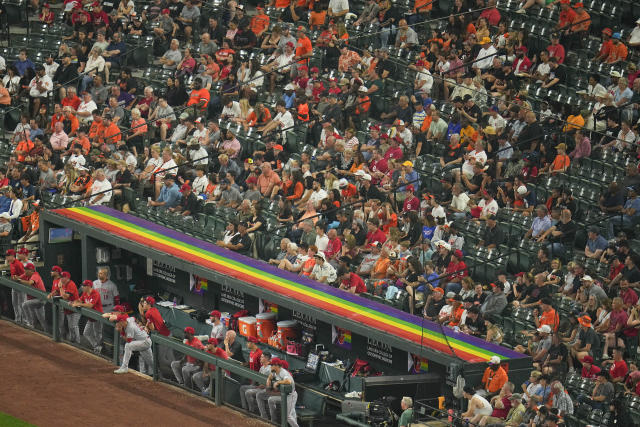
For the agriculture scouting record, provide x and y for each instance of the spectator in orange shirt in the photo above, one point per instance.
(304, 49)
(580, 28)
(70, 122)
(549, 315)
(24, 146)
(260, 22)
(279, 4)
(494, 376)
(199, 96)
(605, 49)
(618, 50)
(567, 16)
(379, 270)
(317, 16)
(138, 131)
(260, 116)
(5, 98)
(110, 132)
(560, 163)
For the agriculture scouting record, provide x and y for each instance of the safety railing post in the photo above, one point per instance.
(55, 333)
(116, 347)
(219, 379)
(284, 410)
(156, 360)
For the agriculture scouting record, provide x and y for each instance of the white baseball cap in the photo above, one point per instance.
(438, 212)
(363, 89)
(360, 172)
(342, 183)
(522, 190)
(366, 177)
(587, 278)
(446, 245)
(545, 329)
(289, 87)
(495, 360)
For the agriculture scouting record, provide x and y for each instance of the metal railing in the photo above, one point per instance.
(221, 365)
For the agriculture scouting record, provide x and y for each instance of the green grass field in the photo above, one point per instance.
(9, 421)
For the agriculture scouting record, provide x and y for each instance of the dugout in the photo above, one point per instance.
(146, 258)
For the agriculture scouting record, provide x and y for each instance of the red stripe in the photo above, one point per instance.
(178, 253)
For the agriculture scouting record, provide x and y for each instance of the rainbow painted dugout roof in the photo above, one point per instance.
(324, 297)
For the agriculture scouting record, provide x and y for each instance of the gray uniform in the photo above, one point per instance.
(273, 400)
(248, 392)
(137, 340)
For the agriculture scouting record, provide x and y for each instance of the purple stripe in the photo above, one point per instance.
(321, 287)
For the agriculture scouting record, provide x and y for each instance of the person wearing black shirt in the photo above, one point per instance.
(536, 292)
(188, 205)
(232, 347)
(470, 111)
(434, 304)
(557, 356)
(369, 191)
(452, 157)
(245, 38)
(176, 93)
(65, 73)
(241, 242)
(532, 133)
(557, 74)
(474, 323)
(561, 235)
(492, 236)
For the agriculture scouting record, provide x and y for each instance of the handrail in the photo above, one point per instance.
(60, 304)
(157, 340)
(220, 364)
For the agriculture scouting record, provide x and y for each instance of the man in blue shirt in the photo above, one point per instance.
(630, 214)
(114, 52)
(596, 244)
(169, 194)
(23, 63)
(540, 224)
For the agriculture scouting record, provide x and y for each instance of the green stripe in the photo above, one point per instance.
(425, 332)
(9, 421)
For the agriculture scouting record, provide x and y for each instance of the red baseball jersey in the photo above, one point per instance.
(93, 298)
(37, 282)
(153, 315)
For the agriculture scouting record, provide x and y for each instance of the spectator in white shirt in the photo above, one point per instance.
(470, 159)
(283, 120)
(338, 8)
(40, 87)
(231, 109)
(86, 108)
(77, 159)
(99, 190)
(484, 59)
(323, 271)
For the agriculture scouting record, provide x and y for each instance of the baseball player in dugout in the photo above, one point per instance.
(66, 289)
(138, 340)
(90, 298)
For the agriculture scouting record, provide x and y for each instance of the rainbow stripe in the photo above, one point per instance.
(258, 273)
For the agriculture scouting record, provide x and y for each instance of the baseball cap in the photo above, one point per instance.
(450, 295)
(321, 256)
(23, 251)
(545, 329)
(439, 290)
(10, 252)
(366, 177)
(342, 183)
(66, 275)
(522, 190)
(185, 187)
(608, 31)
(213, 341)
(587, 359)
(516, 396)
(616, 36)
(410, 187)
(189, 330)
(587, 278)
(29, 266)
(121, 308)
(215, 313)
(407, 163)
(150, 300)
(278, 147)
(458, 253)
(88, 283)
(495, 360)
(253, 340)
(122, 318)
(56, 268)
(585, 321)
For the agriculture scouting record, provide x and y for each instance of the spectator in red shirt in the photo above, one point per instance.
(411, 202)
(455, 272)
(71, 100)
(618, 369)
(351, 282)
(617, 323)
(491, 13)
(628, 295)
(374, 234)
(334, 246)
(555, 49)
(589, 370)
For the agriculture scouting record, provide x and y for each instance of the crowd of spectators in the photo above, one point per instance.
(366, 163)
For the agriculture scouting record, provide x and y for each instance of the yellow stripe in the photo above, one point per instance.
(248, 272)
